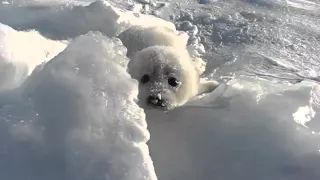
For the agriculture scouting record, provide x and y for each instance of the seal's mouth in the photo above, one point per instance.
(157, 101)
(151, 104)
(162, 107)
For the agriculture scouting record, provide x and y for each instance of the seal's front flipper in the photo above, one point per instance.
(207, 86)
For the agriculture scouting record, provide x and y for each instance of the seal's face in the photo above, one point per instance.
(158, 87)
(166, 78)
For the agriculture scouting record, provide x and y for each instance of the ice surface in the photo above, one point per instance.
(76, 118)
(304, 4)
(250, 132)
(69, 20)
(251, 128)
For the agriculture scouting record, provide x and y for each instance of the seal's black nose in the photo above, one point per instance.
(155, 100)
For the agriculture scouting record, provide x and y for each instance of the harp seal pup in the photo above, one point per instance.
(159, 60)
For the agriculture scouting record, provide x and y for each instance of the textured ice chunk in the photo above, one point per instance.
(78, 119)
(248, 128)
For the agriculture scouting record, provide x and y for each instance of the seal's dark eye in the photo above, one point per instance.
(145, 78)
(173, 82)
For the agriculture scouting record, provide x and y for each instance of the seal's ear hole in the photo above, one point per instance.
(174, 82)
(144, 79)
(207, 86)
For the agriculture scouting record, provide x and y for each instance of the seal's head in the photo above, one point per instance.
(167, 78)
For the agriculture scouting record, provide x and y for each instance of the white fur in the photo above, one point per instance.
(161, 54)
(137, 38)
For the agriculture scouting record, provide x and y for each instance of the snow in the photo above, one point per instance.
(18, 56)
(76, 118)
(304, 4)
(68, 111)
(65, 21)
(243, 130)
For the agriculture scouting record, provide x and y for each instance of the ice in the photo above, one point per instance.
(207, 1)
(76, 118)
(304, 4)
(20, 52)
(246, 129)
(65, 21)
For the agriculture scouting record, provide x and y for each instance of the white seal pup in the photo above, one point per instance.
(162, 65)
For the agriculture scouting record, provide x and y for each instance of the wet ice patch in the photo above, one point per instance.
(75, 118)
(207, 1)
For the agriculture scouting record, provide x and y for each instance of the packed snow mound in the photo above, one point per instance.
(69, 20)
(75, 118)
(248, 128)
(21, 52)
